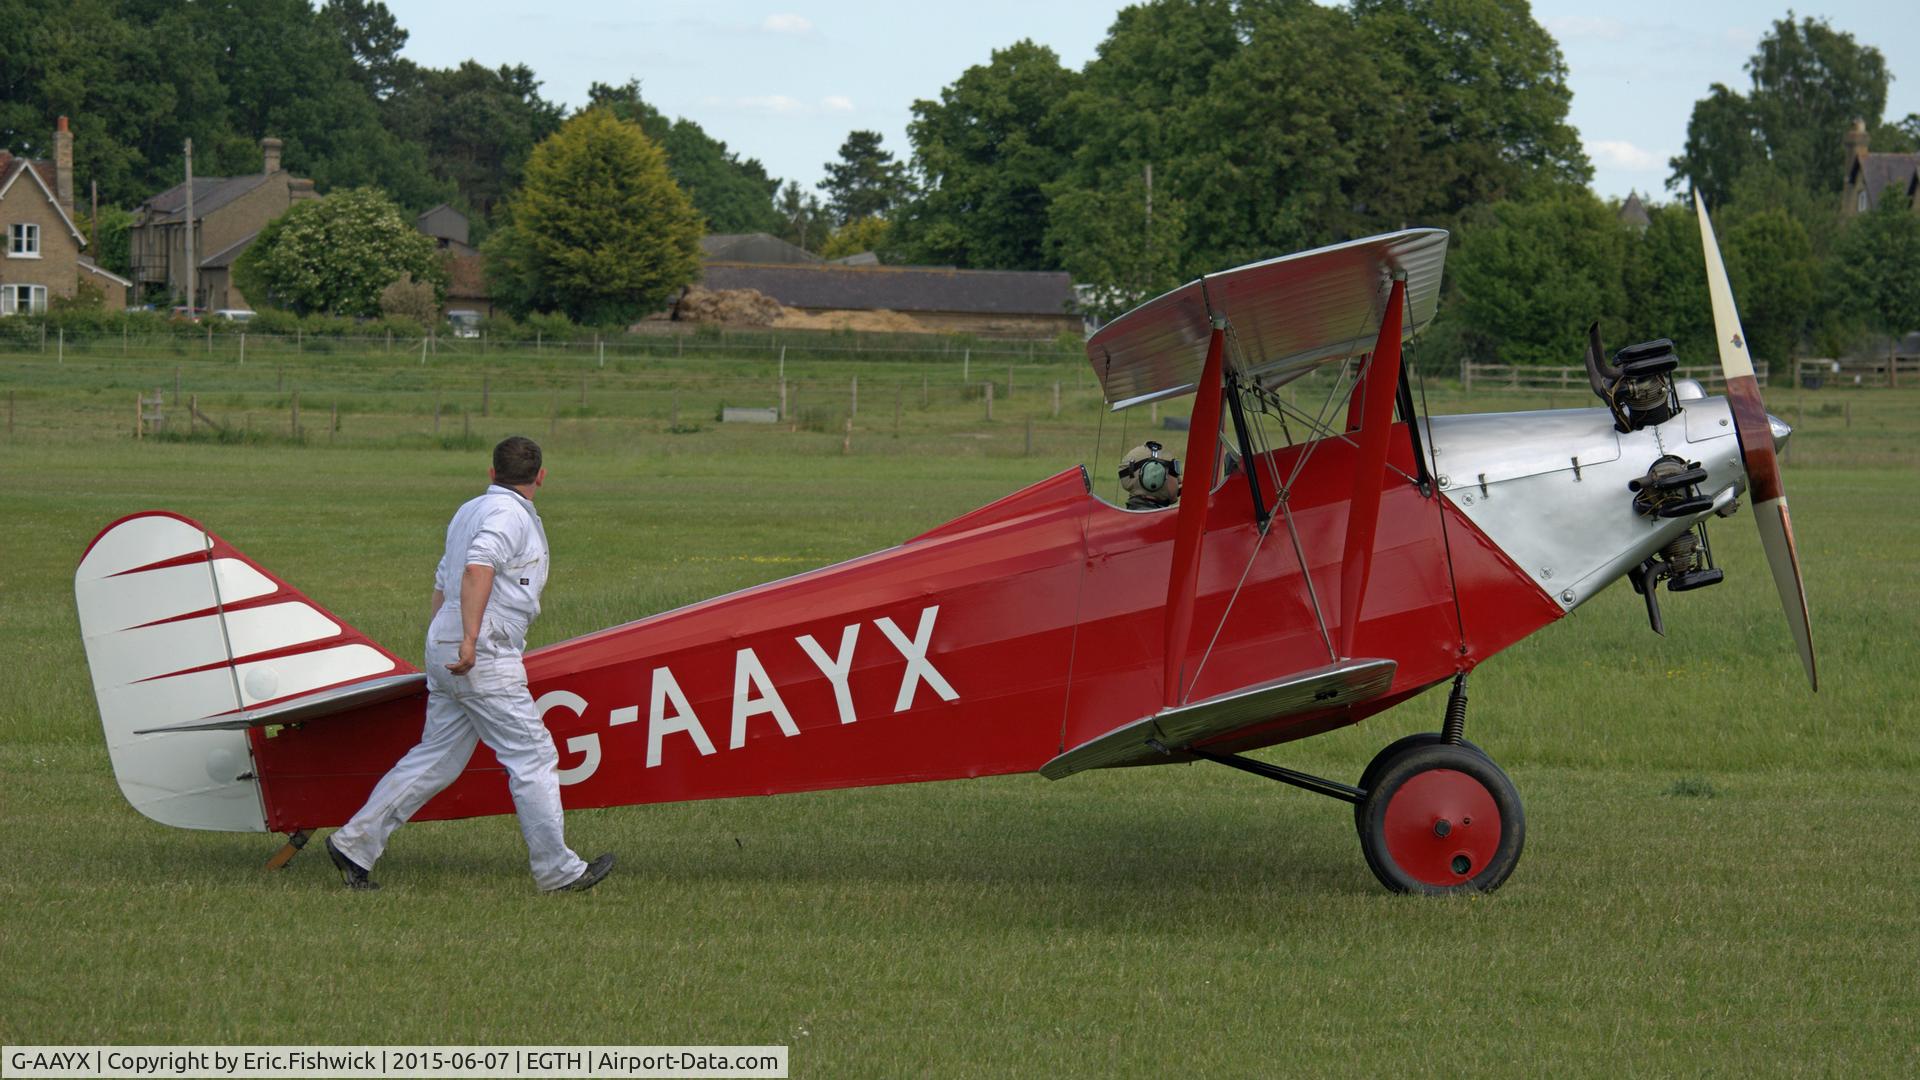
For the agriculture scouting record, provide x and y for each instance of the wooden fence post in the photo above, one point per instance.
(853, 403)
(1056, 400)
(989, 386)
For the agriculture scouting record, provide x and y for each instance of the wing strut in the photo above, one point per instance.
(1203, 446)
(1375, 394)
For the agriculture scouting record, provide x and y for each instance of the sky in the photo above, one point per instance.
(786, 81)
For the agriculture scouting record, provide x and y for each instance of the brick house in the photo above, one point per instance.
(228, 211)
(1874, 177)
(44, 253)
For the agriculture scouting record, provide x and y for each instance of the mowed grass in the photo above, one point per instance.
(1719, 878)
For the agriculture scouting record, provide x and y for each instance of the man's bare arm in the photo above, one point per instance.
(476, 588)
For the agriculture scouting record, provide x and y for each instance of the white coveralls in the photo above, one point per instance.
(490, 702)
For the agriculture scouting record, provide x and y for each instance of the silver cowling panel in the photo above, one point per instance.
(1574, 529)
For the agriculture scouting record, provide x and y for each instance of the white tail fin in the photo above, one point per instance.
(180, 627)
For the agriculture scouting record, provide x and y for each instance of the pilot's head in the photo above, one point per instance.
(1150, 475)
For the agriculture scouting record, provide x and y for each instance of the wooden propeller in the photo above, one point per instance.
(1754, 429)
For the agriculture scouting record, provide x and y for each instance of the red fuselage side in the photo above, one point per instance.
(986, 646)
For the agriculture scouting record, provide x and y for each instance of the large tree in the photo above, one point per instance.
(476, 124)
(1873, 276)
(599, 231)
(1529, 277)
(1809, 83)
(335, 255)
(986, 152)
(865, 181)
(735, 194)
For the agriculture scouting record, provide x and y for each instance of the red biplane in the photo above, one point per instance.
(1311, 584)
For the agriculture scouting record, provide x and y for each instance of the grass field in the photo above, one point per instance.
(1720, 876)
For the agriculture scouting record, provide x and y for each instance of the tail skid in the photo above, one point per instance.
(189, 643)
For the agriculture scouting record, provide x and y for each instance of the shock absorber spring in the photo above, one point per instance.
(1454, 728)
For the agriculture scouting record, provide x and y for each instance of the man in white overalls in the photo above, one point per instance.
(485, 595)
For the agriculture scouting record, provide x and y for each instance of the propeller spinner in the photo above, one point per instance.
(1755, 431)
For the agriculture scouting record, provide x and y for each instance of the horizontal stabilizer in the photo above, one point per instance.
(307, 707)
(1177, 728)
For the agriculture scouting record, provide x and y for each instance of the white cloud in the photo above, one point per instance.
(1581, 26)
(787, 24)
(837, 103)
(779, 104)
(1619, 154)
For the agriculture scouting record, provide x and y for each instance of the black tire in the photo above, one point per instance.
(1395, 749)
(1424, 825)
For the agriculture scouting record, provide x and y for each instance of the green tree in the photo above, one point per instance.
(1666, 286)
(107, 239)
(861, 234)
(735, 194)
(1873, 276)
(1110, 244)
(476, 125)
(374, 38)
(1529, 276)
(336, 255)
(1284, 124)
(804, 221)
(986, 153)
(865, 182)
(1775, 278)
(599, 231)
(1809, 82)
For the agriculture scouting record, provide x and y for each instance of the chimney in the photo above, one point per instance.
(63, 166)
(270, 154)
(1855, 140)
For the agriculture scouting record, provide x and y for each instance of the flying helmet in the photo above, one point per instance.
(1145, 474)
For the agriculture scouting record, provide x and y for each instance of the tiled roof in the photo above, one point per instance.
(210, 193)
(1877, 171)
(902, 288)
(226, 256)
(759, 247)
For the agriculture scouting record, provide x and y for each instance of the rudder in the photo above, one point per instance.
(181, 627)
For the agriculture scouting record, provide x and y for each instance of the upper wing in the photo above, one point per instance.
(1288, 315)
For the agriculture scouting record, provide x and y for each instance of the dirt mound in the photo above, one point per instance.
(736, 307)
(877, 321)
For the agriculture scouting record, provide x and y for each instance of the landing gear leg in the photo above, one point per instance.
(296, 840)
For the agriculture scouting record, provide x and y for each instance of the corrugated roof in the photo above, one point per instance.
(902, 288)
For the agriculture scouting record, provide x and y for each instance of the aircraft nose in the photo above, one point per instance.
(1782, 431)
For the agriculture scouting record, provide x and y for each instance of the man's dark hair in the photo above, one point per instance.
(516, 461)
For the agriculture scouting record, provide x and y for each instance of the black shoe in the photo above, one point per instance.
(591, 876)
(350, 872)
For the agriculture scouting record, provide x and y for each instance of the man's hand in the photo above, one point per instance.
(465, 663)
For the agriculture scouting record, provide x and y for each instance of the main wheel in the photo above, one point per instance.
(1442, 819)
(1371, 773)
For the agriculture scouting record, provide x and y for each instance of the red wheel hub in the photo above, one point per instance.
(1442, 827)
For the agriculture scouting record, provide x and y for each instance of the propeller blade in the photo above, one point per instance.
(1755, 432)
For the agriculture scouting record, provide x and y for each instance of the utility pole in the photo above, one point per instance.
(193, 284)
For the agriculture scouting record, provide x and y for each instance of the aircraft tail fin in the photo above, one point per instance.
(183, 631)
